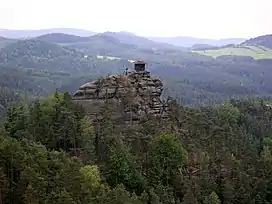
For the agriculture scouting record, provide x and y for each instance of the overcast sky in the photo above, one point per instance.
(198, 18)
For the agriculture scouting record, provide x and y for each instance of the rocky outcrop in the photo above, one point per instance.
(135, 94)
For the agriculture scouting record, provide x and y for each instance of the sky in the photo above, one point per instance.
(213, 19)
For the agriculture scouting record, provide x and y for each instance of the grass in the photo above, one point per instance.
(256, 52)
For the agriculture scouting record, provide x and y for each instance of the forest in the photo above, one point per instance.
(50, 152)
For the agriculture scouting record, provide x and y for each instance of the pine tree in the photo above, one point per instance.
(212, 199)
(123, 169)
(167, 158)
(189, 198)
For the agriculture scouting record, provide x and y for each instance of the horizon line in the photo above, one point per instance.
(147, 36)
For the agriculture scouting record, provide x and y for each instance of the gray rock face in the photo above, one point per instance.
(135, 94)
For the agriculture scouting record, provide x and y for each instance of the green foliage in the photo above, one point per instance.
(36, 175)
(55, 122)
(61, 38)
(39, 67)
(87, 139)
(167, 159)
(268, 142)
(7, 98)
(228, 113)
(123, 169)
(118, 195)
(16, 123)
(221, 154)
(264, 40)
(212, 199)
(189, 197)
(92, 177)
(256, 52)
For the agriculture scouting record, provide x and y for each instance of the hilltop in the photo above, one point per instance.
(108, 43)
(61, 38)
(35, 48)
(256, 52)
(2, 38)
(178, 41)
(100, 44)
(5, 41)
(141, 42)
(184, 41)
(257, 48)
(265, 41)
(8, 33)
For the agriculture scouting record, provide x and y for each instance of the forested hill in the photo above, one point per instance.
(265, 41)
(35, 49)
(185, 41)
(258, 48)
(5, 41)
(141, 42)
(38, 68)
(191, 78)
(22, 34)
(51, 152)
(61, 38)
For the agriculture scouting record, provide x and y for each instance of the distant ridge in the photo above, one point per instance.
(2, 38)
(123, 36)
(7, 33)
(62, 38)
(141, 42)
(185, 41)
(259, 48)
(5, 41)
(101, 44)
(34, 48)
(264, 40)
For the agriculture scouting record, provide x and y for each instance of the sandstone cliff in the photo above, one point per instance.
(135, 94)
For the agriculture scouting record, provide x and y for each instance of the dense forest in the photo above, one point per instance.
(50, 152)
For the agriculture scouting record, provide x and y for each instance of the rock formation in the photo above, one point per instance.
(135, 94)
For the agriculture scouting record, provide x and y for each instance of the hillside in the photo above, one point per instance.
(261, 41)
(5, 41)
(140, 42)
(39, 54)
(180, 41)
(209, 155)
(188, 42)
(203, 47)
(126, 46)
(61, 38)
(254, 51)
(34, 48)
(7, 33)
(39, 67)
(107, 45)
(101, 44)
(192, 78)
(257, 48)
